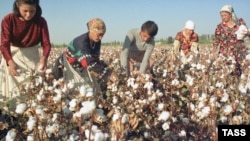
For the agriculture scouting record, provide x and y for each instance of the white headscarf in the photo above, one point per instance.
(229, 9)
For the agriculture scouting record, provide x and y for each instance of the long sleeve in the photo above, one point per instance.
(5, 38)
(23, 34)
(176, 47)
(125, 50)
(146, 57)
(45, 42)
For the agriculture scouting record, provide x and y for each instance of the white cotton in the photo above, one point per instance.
(191, 106)
(237, 120)
(83, 90)
(227, 109)
(88, 107)
(147, 135)
(40, 97)
(160, 107)
(11, 135)
(148, 85)
(248, 57)
(164, 73)
(89, 92)
(223, 119)
(115, 100)
(57, 99)
(200, 67)
(152, 98)
(242, 88)
(203, 97)
(89, 134)
(219, 84)
(182, 133)
(73, 137)
(20, 108)
(31, 123)
(189, 80)
(70, 85)
(73, 102)
(159, 93)
(38, 80)
(55, 117)
(30, 137)
(116, 116)
(125, 118)
(50, 88)
(77, 114)
(58, 91)
(201, 104)
(175, 82)
(135, 86)
(99, 136)
(165, 126)
(164, 116)
(130, 82)
(225, 97)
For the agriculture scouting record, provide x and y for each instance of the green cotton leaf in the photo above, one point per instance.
(180, 103)
(149, 117)
(108, 93)
(184, 90)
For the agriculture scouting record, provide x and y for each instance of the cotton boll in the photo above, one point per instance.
(125, 118)
(21, 108)
(83, 90)
(87, 107)
(31, 123)
(89, 134)
(115, 100)
(30, 137)
(11, 135)
(89, 92)
(182, 133)
(160, 107)
(165, 126)
(164, 116)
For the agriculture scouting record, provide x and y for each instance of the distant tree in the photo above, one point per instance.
(170, 40)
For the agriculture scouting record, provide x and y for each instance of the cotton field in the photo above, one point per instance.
(172, 101)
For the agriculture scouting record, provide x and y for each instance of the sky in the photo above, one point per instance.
(67, 18)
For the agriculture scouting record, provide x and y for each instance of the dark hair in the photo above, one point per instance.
(30, 2)
(150, 27)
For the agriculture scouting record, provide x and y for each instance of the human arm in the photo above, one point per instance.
(195, 43)
(176, 47)
(146, 57)
(125, 50)
(45, 42)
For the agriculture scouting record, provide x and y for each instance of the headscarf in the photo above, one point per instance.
(229, 9)
(189, 25)
(96, 25)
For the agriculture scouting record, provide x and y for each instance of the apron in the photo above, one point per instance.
(26, 60)
(70, 75)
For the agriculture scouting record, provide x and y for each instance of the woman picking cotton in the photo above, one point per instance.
(21, 33)
(229, 37)
(186, 41)
(83, 56)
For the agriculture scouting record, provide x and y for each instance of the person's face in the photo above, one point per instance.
(225, 16)
(27, 11)
(95, 36)
(144, 36)
(188, 31)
